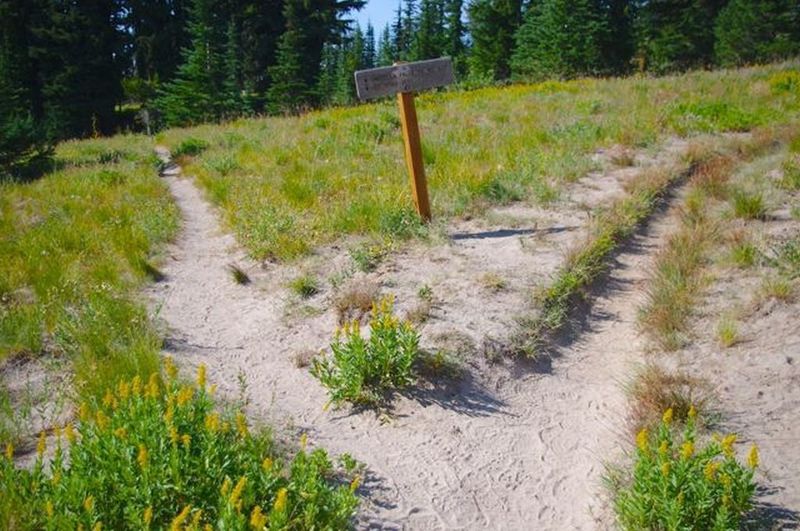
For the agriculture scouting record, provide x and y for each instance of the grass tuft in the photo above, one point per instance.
(749, 206)
(655, 389)
(727, 332)
(239, 275)
(305, 286)
(355, 301)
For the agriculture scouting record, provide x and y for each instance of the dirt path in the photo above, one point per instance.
(512, 446)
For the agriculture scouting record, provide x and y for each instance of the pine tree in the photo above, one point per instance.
(193, 96)
(350, 59)
(562, 38)
(454, 35)
(370, 57)
(429, 37)
(750, 31)
(233, 103)
(385, 54)
(492, 25)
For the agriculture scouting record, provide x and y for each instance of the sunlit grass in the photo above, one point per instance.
(287, 185)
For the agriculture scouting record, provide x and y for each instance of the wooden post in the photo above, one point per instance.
(416, 166)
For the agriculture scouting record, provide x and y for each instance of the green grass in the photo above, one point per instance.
(77, 245)
(749, 205)
(287, 185)
(305, 286)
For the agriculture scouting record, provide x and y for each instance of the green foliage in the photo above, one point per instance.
(305, 286)
(751, 31)
(679, 484)
(748, 206)
(744, 254)
(492, 25)
(362, 371)
(190, 147)
(705, 117)
(153, 455)
(368, 256)
(785, 82)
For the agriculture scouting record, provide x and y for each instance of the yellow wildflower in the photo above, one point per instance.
(303, 441)
(142, 458)
(226, 427)
(241, 424)
(48, 508)
(69, 433)
(196, 519)
(641, 440)
(258, 520)
(170, 368)
(727, 444)
(208, 527)
(178, 521)
(266, 464)
(173, 435)
(280, 501)
(123, 390)
(663, 448)
(41, 446)
(98, 526)
(355, 483)
(88, 504)
(184, 395)
(752, 457)
(136, 386)
(687, 450)
(665, 469)
(186, 439)
(237, 491)
(109, 399)
(121, 433)
(147, 517)
(710, 470)
(667, 418)
(169, 414)
(56, 479)
(101, 419)
(9, 451)
(83, 411)
(226, 487)
(692, 412)
(212, 390)
(726, 480)
(212, 422)
(152, 386)
(201, 376)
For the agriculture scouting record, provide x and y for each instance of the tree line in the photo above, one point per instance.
(74, 68)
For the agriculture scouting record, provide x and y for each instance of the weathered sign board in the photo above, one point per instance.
(404, 80)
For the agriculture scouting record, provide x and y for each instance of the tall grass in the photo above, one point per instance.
(76, 245)
(289, 184)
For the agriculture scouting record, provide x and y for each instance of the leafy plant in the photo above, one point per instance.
(153, 455)
(361, 370)
(677, 484)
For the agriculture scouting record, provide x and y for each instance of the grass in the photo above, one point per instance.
(305, 286)
(159, 453)
(749, 205)
(727, 332)
(355, 301)
(239, 275)
(77, 245)
(743, 253)
(287, 185)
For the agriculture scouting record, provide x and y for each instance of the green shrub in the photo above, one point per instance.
(710, 117)
(676, 485)
(190, 147)
(362, 370)
(153, 457)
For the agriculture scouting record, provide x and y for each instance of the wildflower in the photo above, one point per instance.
(108, 400)
(41, 446)
(173, 435)
(201, 376)
(226, 487)
(178, 521)
(752, 457)
(56, 479)
(48, 508)
(142, 458)
(266, 464)
(69, 433)
(687, 449)
(667, 418)
(212, 422)
(184, 395)
(663, 448)
(169, 414)
(641, 440)
(727, 444)
(241, 425)
(9, 451)
(186, 439)
(170, 368)
(152, 386)
(280, 501)
(123, 390)
(88, 504)
(101, 419)
(212, 390)
(83, 411)
(692, 412)
(121, 433)
(726, 481)
(665, 469)
(136, 386)
(710, 470)
(147, 517)
(237, 492)
(303, 441)
(258, 520)
(355, 483)
(98, 526)
(196, 519)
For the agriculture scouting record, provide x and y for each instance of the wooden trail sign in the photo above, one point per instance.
(404, 79)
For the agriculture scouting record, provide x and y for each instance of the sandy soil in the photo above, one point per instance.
(513, 445)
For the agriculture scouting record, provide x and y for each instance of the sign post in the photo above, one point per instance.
(405, 79)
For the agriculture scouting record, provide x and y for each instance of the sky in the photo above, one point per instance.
(380, 12)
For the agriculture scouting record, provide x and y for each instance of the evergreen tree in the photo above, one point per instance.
(351, 58)
(492, 25)
(310, 24)
(675, 35)
(385, 54)
(429, 37)
(193, 96)
(261, 25)
(370, 57)
(563, 38)
(750, 31)
(454, 35)
(233, 103)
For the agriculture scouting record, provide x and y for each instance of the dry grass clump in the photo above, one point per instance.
(304, 358)
(778, 288)
(493, 282)
(355, 301)
(712, 175)
(727, 332)
(655, 389)
(743, 253)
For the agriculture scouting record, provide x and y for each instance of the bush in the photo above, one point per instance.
(678, 486)
(362, 370)
(152, 455)
(190, 147)
(710, 117)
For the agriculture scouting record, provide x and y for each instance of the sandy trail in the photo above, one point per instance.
(511, 446)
